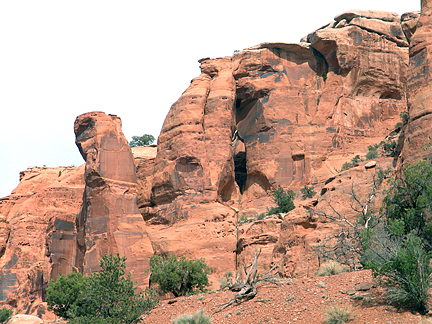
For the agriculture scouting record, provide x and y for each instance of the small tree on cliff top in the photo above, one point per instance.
(146, 139)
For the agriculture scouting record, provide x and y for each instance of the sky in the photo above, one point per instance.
(134, 59)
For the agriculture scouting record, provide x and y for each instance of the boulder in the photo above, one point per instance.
(390, 30)
(24, 319)
(370, 165)
(368, 14)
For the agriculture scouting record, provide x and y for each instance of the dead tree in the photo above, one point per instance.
(346, 246)
(247, 288)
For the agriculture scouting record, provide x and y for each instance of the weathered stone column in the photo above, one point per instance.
(109, 221)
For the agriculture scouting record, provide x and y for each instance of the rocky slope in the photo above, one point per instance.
(288, 114)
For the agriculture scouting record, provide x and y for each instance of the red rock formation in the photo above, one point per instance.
(194, 161)
(144, 165)
(109, 221)
(300, 111)
(38, 236)
(273, 114)
(286, 114)
(419, 88)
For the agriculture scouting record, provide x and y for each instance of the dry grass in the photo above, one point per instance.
(338, 314)
(330, 268)
(198, 318)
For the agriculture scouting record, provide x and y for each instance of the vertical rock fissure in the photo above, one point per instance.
(80, 229)
(240, 158)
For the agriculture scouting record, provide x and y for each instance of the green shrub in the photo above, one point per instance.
(346, 166)
(65, 296)
(107, 296)
(244, 219)
(372, 153)
(283, 200)
(146, 139)
(93, 320)
(399, 250)
(198, 318)
(404, 116)
(338, 315)
(112, 294)
(179, 276)
(354, 161)
(383, 174)
(409, 202)
(5, 314)
(261, 216)
(307, 192)
(330, 268)
(407, 272)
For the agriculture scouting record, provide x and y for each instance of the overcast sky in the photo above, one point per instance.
(59, 59)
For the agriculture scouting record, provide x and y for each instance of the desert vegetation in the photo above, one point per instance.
(179, 276)
(396, 241)
(284, 201)
(198, 317)
(338, 314)
(5, 314)
(107, 296)
(330, 268)
(307, 192)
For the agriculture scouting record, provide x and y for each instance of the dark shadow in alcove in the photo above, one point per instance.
(240, 170)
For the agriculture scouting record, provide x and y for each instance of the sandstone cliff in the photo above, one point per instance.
(288, 114)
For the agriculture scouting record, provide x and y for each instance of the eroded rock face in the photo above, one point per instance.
(280, 114)
(419, 90)
(109, 222)
(38, 235)
(288, 114)
(194, 162)
(144, 157)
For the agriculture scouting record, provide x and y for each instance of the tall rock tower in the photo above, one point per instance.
(109, 221)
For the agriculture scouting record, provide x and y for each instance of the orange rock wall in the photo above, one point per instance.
(419, 88)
